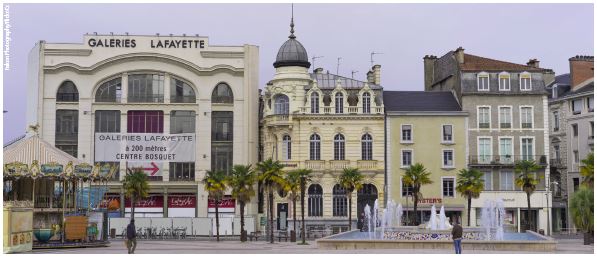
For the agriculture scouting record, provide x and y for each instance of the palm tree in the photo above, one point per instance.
(587, 171)
(242, 181)
(305, 177)
(351, 180)
(293, 186)
(416, 175)
(135, 187)
(272, 178)
(526, 178)
(469, 184)
(582, 209)
(214, 183)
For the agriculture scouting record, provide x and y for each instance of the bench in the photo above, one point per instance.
(282, 234)
(255, 235)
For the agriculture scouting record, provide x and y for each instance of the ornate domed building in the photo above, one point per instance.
(323, 122)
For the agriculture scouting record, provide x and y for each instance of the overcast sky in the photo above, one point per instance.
(404, 33)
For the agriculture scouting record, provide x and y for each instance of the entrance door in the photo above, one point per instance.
(366, 196)
(524, 222)
(282, 216)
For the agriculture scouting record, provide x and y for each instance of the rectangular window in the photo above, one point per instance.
(447, 133)
(577, 106)
(575, 130)
(182, 171)
(406, 189)
(448, 187)
(506, 180)
(576, 157)
(145, 122)
(556, 121)
(575, 184)
(556, 150)
(505, 117)
(448, 157)
(483, 82)
(506, 150)
(221, 141)
(527, 149)
(406, 158)
(487, 180)
(107, 121)
(590, 104)
(146, 88)
(484, 118)
(591, 130)
(526, 117)
(484, 150)
(221, 126)
(182, 122)
(406, 133)
(525, 82)
(67, 131)
(504, 82)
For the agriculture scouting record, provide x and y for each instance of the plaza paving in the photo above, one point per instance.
(567, 246)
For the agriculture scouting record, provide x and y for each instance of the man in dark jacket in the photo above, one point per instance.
(131, 236)
(457, 237)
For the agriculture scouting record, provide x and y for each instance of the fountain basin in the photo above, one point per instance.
(43, 235)
(415, 239)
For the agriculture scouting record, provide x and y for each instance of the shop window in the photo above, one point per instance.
(145, 122)
(182, 171)
(181, 92)
(67, 92)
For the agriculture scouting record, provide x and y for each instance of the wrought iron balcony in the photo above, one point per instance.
(505, 160)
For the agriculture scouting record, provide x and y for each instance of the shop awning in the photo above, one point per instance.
(30, 147)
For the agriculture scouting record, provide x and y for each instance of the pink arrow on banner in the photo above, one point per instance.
(153, 169)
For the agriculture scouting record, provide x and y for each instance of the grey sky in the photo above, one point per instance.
(403, 32)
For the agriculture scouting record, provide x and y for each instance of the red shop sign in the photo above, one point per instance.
(107, 199)
(182, 201)
(227, 202)
(153, 201)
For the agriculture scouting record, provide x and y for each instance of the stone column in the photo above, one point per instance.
(165, 202)
(124, 88)
(167, 88)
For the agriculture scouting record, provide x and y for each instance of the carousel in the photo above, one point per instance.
(63, 193)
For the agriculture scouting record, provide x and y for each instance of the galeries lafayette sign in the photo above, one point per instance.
(144, 147)
(182, 201)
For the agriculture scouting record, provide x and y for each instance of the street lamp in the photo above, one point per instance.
(554, 183)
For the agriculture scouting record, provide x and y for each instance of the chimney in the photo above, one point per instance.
(459, 54)
(370, 77)
(376, 74)
(533, 63)
(581, 69)
(318, 71)
(428, 62)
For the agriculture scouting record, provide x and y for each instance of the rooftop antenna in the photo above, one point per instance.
(338, 66)
(372, 54)
(313, 60)
(292, 22)
(352, 73)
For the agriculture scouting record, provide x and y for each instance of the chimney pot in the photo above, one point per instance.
(459, 54)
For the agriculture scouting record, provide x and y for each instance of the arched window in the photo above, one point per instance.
(314, 147)
(314, 102)
(287, 147)
(339, 147)
(340, 201)
(146, 88)
(366, 102)
(67, 92)
(315, 200)
(109, 91)
(366, 147)
(339, 103)
(181, 92)
(222, 94)
(281, 104)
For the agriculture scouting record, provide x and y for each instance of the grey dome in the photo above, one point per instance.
(292, 53)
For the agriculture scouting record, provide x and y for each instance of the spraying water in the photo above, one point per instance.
(492, 219)
(442, 219)
(433, 219)
(399, 214)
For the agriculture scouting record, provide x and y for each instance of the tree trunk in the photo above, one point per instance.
(303, 209)
(217, 221)
(468, 213)
(528, 211)
(294, 212)
(416, 201)
(271, 217)
(242, 221)
(132, 206)
(350, 211)
(587, 238)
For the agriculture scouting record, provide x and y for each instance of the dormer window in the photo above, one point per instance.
(504, 81)
(554, 91)
(525, 81)
(483, 81)
(339, 103)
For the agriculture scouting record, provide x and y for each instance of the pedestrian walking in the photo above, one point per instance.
(457, 236)
(131, 237)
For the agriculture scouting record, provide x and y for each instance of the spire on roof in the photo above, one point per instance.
(292, 23)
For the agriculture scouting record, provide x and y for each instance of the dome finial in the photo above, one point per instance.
(292, 23)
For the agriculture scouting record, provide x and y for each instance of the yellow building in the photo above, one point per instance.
(323, 122)
(427, 128)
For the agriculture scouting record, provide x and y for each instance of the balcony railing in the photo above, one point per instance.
(339, 164)
(183, 99)
(315, 164)
(366, 164)
(347, 110)
(327, 110)
(505, 159)
(146, 99)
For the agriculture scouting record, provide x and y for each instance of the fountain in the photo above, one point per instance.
(399, 215)
(492, 219)
(432, 219)
(442, 219)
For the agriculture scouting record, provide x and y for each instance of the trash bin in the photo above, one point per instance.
(542, 232)
(112, 233)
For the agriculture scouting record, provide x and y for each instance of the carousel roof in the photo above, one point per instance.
(31, 147)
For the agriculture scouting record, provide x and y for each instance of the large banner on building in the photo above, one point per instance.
(144, 147)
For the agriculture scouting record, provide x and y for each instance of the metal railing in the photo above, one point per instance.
(505, 159)
(183, 99)
(146, 99)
